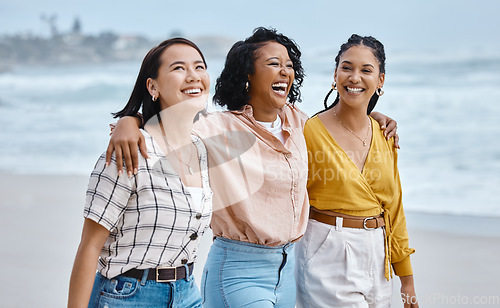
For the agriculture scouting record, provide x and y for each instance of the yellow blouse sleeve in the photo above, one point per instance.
(398, 234)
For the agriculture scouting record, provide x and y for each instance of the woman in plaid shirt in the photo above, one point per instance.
(142, 231)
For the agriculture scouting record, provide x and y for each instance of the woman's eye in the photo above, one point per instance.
(346, 68)
(178, 68)
(367, 71)
(274, 64)
(200, 67)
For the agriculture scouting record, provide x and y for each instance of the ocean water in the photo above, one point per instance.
(447, 104)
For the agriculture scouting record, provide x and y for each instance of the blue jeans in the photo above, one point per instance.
(123, 291)
(239, 274)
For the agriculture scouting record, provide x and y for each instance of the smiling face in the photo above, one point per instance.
(182, 75)
(272, 79)
(358, 75)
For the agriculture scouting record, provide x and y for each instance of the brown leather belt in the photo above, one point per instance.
(162, 273)
(348, 221)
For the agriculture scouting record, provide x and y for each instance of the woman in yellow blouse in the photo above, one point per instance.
(357, 231)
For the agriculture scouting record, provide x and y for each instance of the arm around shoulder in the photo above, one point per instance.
(388, 125)
(124, 141)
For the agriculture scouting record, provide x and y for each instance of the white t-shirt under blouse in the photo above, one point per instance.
(275, 128)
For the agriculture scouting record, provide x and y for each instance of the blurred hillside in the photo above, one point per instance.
(75, 47)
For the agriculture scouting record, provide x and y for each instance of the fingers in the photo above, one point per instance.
(109, 153)
(126, 152)
(390, 131)
(142, 147)
(135, 156)
(389, 134)
(119, 160)
(128, 157)
(112, 127)
(135, 163)
(383, 124)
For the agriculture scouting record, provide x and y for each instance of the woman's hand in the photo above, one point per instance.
(408, 295)
(124, 141)
(388, 125)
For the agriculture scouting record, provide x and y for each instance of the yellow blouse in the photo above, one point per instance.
(336, 184)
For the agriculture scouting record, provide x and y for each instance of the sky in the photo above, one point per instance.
(440, 24)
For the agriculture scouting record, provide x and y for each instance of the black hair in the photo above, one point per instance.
(378, 51)
(230, 88)
(140, 96)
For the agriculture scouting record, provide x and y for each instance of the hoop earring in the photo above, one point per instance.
(379, 92)
(334, 86)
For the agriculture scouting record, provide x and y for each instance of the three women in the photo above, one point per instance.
(252, 260)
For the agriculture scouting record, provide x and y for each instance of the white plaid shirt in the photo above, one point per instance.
(152, 218)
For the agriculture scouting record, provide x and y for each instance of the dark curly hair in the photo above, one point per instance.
(378, 52)
(230, 89)
(140, 96)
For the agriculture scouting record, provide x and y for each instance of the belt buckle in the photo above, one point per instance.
(364, 223)
(166, 280)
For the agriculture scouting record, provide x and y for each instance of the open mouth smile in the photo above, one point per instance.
(280, 88)
(192, 91)
(354, 90)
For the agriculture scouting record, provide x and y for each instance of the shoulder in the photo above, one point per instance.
(312, 124)
(213, 123)
(378, 134)
(150, 142)
(295, 117)
(315, 133)
(214, 118)
(295, 112)
(152, 146)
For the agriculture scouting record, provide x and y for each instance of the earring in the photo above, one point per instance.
(379, 92)
(247, 85)
(154, 98)
(334, 86)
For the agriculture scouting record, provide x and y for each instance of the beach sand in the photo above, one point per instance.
(456, 261)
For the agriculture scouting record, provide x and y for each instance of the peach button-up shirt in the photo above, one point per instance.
(259, 183)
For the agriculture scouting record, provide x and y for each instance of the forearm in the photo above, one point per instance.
(82, 277)
(408, 294)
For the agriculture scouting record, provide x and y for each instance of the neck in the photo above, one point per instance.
(355, 118)
(177, 131)
(262, 115)
(174, 127)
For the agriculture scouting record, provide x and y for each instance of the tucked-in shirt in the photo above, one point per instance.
(152, 217)
(336, 184)
(259, 183)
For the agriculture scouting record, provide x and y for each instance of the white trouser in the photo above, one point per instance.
(341, 267)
